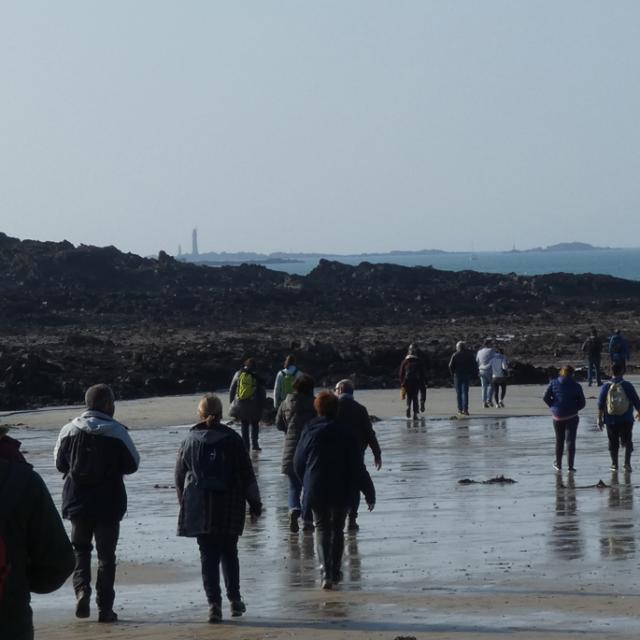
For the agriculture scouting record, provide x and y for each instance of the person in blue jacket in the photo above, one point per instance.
(619, 350)
(616, 402)
(330, 465)
(565, 398)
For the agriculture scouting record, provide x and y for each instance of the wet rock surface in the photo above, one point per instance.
(71, 316)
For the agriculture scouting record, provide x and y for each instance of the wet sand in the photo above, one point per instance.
(549, 556)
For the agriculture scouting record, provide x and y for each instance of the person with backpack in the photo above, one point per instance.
(616, 402)
(214, 480)
(294, 413)
(485, 372)
(565, 398)
(247, 396)
(329, 464)
(94, 452)
(413, 382)
(35, 553)
(284, 380)
(355, 417)
(592, 348)
(619, 350)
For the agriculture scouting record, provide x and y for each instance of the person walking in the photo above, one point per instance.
(463, 368)
(329, 463)
(616, 402)
(483, 359)
(499, 373)
(284, 380)
(565, 398)
(35, 553)
(293, 414)
(592, 348)
(94, 452)
(413, 381)
(247, 397)
(619, 350)
(214, 480)
(356, 418)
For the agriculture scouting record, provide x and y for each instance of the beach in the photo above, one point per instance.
(547, 556)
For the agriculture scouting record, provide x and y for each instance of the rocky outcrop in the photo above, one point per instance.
(71, 316)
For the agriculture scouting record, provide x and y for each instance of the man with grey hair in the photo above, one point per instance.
(356, 417)
(94, 452)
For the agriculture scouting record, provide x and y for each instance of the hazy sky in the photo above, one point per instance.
(342, 126)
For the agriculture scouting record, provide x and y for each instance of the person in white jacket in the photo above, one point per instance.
(499, 372)
(483, 358)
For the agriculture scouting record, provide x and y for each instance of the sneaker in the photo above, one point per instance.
(627, 468)
(215, 614)
(327, 584)
(294, 514)
(487, 405)
(501, 405)
(308, 527)
(408, 413)
(108, 615)
(83, 606)
(557, 466)
(256, 448)
(353, 525)
(572, 469)
(614, 467)
(338, 576)
(237, 608)
(465, 412)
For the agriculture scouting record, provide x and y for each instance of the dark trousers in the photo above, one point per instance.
(106, 534)
(497, 387)
(620, 434)
(412, 403)
(566, 430)
(593, 365)
(329, 522)
(254, 434)
(216, 550)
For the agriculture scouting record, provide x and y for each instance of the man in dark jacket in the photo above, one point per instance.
(35, 552)
(247, 395)
(94, 452)
(214, 480)
(329, 463)
(565, 398)
(592, 348)
(463, 368)
(616, 403)
(356, 417)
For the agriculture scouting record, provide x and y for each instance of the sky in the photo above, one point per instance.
(340, 126)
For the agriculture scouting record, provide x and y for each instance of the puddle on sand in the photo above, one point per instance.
(428, 534)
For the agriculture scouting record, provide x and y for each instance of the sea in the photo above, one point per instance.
(622, 263)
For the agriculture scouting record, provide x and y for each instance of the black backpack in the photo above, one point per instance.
(412, 372)
(88, 465)
(213, 465)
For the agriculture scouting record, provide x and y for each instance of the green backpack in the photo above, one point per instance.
(287, 382)
(246, 386)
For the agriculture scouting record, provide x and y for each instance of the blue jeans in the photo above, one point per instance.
(461, 383)
(295, 490)
(214, 551)
(485, 381)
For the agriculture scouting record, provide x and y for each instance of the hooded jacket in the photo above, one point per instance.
(564, 396)
(221, 511)
(293, 414)
(38, 549)
(106, 500)
(278, 388)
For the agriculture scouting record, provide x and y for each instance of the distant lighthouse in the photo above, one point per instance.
(194, 242)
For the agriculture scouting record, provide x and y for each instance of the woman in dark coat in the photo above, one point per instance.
(330, 465)
(214, 479)
(293, 414)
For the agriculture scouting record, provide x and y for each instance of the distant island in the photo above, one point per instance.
(562, 246)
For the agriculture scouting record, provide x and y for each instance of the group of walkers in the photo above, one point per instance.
(325, 439)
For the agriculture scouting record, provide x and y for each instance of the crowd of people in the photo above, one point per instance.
(325, 440)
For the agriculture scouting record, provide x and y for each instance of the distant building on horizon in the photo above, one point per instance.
(194, 242)
(179, 250)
